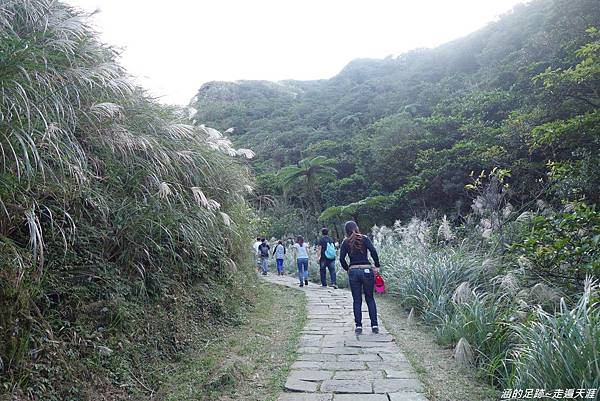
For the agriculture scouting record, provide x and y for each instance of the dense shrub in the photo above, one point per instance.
(108, 201)
(564, 245)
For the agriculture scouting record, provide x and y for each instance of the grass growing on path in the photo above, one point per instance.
(444, 380)
(248, 362)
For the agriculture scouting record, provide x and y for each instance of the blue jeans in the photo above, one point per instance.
(363, 282)
(264, 264)
(280, 265)
(327, 264)
(302, 270)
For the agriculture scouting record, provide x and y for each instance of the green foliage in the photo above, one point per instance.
(304, 180)
(105, 194)
(564, 245)
(582, 81)
(310, 172)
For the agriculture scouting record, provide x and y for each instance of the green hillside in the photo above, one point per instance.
(405, 132)
(126, 224)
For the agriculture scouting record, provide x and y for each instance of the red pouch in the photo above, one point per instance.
(379, 284)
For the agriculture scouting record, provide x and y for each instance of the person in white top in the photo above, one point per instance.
(256, 255)
(301, 253)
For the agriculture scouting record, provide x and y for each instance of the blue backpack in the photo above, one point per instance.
(330, 251)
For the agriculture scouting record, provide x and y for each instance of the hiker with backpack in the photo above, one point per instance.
(361, 275)
(263, 250)
(327, 252)
(279, 253)
(301, 254)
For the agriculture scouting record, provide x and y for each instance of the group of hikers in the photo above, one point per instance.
(361, 273)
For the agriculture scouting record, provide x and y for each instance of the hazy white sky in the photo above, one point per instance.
(174, 46)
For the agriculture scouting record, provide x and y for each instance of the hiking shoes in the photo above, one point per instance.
(335, 287)
(375, 329)
(358, 330)
(305, 282)
(301, 285)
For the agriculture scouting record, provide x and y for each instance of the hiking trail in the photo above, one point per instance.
(335, 364)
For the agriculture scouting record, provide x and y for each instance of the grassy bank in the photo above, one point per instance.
(249, 362)
(122, 227)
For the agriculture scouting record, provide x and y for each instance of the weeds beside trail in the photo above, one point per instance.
(517, 329)
(444, 380)
(244, 363)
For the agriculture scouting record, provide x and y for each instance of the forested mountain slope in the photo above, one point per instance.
(404, 133)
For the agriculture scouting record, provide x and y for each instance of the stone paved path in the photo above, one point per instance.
(334, 364)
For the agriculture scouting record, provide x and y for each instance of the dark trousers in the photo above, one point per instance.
(362, 282)
(327, 264)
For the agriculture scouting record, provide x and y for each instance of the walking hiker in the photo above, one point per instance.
(327, 256)
(256, 253)
(301, 253)
(263, 250)
(279, 253)
(361, 274)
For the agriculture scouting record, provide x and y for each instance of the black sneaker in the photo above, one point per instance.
(375, 329)
(306, 282)
(358, 330)
(301, 285)
(335, 287)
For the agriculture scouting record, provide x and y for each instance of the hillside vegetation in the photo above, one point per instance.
(122, 227)
(476, 166)
(404, 133)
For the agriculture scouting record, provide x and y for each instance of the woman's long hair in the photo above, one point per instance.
(355, 238)
(300, 240)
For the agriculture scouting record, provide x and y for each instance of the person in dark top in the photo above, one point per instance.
(361, 274)
(327, 258)
(263, 250)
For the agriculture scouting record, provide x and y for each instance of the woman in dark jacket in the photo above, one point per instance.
(360, 273)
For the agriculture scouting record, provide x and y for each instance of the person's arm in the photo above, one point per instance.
(274, 250)
(343, 253)
(373, 251)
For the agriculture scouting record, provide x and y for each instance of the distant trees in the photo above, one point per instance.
(307, 177)
(520, 94)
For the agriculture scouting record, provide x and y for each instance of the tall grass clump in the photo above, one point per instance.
(485, 322)
(560, 348)
(108, 201)
(421, 277)
(522, 333)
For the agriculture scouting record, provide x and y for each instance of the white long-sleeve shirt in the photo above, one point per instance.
(255, 246)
